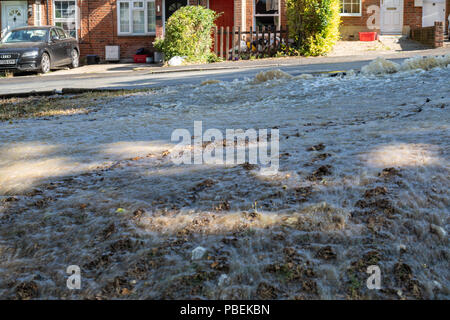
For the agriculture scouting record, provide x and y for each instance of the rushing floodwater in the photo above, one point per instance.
(99, 191)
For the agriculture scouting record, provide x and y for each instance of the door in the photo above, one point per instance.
(171, 6)
(57, 48)
(432, 11)
(226, 9)
(391, 16)
(14, 14)
(67, 44)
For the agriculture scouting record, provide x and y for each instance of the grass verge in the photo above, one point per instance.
(58, 105)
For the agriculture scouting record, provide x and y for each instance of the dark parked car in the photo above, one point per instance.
(38, 49)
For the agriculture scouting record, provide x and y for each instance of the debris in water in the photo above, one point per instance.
(321, 157)
(320, 173)
(208, 82)
(108, 231)
(11, 199)
(204, 184)
(124, 244)
(248, 166)
(389, 172)
(375, 192)
(27, 290)
(402, 271)
(326, 253)
(137, 214)
(317, 147)
(266, 291)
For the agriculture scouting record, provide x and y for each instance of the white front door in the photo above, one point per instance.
(391, 16)
(432, 11)
(14, 15)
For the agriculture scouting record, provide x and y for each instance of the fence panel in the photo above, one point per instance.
(229, 42)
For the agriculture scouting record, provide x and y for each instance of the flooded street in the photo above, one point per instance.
(363, 180)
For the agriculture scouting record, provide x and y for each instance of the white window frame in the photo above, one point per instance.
(37, 14)
(68, 20)
(352, 14)
(131, 9)
(267, 15)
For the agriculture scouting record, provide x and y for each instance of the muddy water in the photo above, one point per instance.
(363, 180)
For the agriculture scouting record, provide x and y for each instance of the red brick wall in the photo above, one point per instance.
(98, 28)
(412, 16)
(238, 13)
(283, 18)
(365, 15)
(249, 14)
(432, 36)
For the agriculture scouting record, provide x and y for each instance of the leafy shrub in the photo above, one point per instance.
(314, 25)
(188, 34)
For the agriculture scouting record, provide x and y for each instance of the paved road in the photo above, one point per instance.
(145, 78)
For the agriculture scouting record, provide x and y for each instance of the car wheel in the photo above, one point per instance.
(45, 63)
(75, 59)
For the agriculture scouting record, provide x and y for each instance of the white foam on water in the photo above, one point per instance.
(381, 66)
(265, 76)
(65, 181)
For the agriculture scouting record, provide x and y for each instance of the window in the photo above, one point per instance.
(37, 14)
(136, 17)
(267, 13)
(65, 15)
(27, 35)
(61, 34)
(54, 34)
(350, 7)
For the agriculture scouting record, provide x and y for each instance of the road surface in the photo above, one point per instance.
(146, 78)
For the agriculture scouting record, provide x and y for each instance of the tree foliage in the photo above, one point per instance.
(314, 25)
(188, 34)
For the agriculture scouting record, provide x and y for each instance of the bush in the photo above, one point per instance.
(314, 25)
(188, 34)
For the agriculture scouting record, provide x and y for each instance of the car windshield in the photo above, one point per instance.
(27, 35)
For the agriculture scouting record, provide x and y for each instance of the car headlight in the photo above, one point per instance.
(30, 54)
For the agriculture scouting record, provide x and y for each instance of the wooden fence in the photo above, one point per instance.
(228, 42)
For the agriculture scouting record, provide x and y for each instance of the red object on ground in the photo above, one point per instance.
(367, 36)
(140, 58)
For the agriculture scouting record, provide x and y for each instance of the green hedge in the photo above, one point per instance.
(314, 25)
(188, 34)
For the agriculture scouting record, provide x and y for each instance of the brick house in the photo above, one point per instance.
(132, 24)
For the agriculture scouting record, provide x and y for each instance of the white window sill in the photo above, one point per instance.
(136, 34)
(350, 14)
